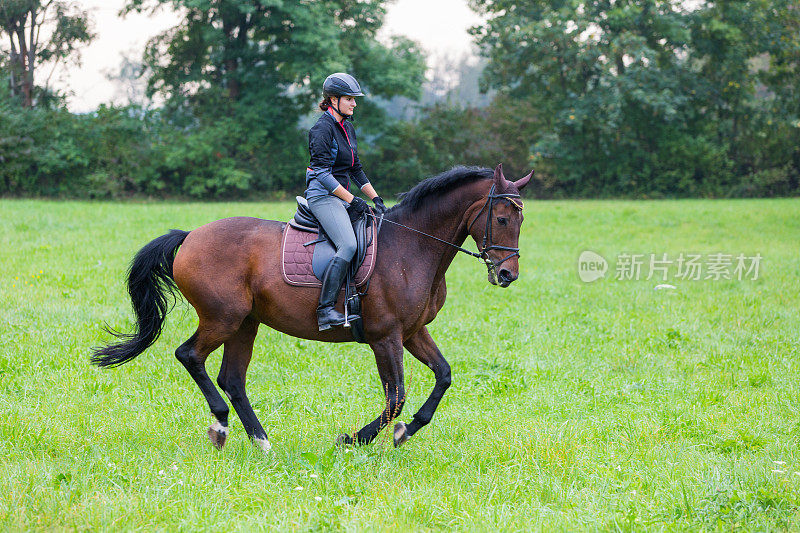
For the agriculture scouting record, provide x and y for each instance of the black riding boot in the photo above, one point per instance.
(332, 281)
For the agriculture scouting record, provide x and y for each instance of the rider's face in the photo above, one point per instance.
(346, 104)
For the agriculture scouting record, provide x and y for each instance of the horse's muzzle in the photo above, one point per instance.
(505, 277)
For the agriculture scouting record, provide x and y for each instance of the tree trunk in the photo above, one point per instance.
(32, 45)
(620, 62)
(14, 66)
(25, 78)
(235, 27)
(22, 57)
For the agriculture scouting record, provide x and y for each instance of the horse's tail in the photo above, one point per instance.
(151, 287)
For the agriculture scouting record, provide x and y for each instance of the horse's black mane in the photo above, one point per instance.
(437, 185)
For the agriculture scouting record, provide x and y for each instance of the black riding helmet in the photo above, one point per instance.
(341, 84)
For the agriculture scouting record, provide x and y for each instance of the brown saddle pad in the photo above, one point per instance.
(296, 258)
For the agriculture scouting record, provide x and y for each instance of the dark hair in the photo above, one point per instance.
(325, 103)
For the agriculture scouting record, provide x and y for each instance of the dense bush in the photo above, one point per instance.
(446, 134)
(123, 152)
(119, 152)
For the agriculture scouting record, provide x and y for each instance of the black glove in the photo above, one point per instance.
(357, 208)
(380, 207)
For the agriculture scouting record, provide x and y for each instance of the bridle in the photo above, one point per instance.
(487, 244)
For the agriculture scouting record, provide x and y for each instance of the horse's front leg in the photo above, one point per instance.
(389, 358)
(422, 347)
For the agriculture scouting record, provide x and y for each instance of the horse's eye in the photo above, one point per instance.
(503, 221)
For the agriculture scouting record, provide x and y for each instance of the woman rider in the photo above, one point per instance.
(334, 162)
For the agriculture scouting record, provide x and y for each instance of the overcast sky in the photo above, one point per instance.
(440, 26)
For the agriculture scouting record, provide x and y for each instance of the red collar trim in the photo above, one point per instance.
(334, 116)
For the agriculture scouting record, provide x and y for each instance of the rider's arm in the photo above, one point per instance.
(369, 190)
(343, 193)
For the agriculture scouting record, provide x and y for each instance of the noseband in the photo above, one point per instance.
(487, 245)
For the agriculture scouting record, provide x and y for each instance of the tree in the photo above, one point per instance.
(250, 69)
(748, 56)
(243, 50)
(656, 96)
(40, 32)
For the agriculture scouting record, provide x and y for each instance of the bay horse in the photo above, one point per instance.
(230, 272)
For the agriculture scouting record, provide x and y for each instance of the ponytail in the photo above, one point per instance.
(325, 103)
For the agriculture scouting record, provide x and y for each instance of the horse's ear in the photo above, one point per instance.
(499, 179)
(522, 182)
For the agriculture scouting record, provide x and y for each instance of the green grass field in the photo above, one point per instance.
(574, 406)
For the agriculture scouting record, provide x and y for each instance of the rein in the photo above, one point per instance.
(487, 234)
(459, 248)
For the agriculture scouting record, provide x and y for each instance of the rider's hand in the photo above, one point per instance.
(380, 207)
(357, 207)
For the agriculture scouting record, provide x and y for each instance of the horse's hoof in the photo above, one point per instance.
(344, 440)
(263, 444)
(217, 433)
(400, 434)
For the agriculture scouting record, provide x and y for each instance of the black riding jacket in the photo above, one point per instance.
(334, 157)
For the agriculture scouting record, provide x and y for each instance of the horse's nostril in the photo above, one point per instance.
(507, 276)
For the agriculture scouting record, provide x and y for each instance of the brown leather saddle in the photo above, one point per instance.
(306, 252)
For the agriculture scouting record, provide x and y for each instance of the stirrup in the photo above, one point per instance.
(349, 317)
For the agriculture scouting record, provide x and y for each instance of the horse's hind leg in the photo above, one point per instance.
(232, 376)
(193, 354)
(422, 347)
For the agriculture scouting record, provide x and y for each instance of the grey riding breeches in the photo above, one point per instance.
(331, 212)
